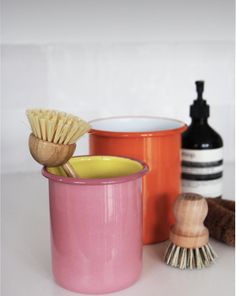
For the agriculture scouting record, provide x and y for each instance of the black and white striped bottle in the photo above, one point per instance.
(202, 152)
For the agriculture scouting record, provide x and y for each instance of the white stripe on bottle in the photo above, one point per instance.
(208, 155)
(202, 171)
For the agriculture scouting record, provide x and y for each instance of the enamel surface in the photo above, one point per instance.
(136, 124)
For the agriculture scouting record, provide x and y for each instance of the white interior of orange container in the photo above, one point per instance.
(136, 124)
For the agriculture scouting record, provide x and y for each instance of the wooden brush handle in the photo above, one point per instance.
(69, 170)
(189, 231)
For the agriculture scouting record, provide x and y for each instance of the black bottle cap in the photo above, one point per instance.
(199, 108)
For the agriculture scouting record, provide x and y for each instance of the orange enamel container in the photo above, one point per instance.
(157, 141)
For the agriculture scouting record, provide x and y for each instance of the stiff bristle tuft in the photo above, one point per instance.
(56, 127)
(184, 258)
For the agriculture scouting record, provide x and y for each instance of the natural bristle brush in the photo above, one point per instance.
(189, 239)
(53, 137)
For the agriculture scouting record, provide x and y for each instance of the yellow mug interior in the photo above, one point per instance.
(94, 167)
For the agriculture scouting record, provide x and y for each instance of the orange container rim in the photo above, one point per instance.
(178, 128)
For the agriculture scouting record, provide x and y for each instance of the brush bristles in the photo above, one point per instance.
(56, 127)
(184, 258)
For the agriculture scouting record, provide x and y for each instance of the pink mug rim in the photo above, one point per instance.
(98, 181)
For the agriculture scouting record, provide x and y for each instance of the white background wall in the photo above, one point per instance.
(104, 58)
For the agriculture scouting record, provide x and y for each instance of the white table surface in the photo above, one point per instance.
(26, 267)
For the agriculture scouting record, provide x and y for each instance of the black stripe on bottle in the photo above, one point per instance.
(201, 177)
(190, 164)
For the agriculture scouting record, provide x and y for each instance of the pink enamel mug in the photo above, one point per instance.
(96, 223)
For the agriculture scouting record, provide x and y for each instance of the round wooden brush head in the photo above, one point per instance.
(54, 133)
(48, 153)
(189, 231)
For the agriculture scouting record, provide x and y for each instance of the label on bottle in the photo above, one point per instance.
(202, 171)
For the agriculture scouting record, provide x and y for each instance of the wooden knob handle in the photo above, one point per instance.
(189, 231)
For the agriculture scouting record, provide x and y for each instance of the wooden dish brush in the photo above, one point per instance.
(53, 137)
(189, 239)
